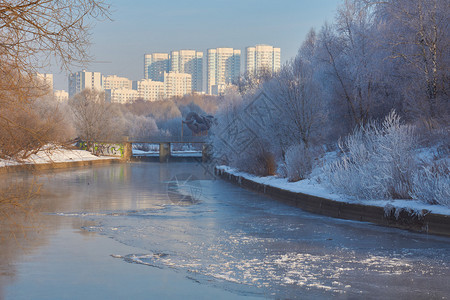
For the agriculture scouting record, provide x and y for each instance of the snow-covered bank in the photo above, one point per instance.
(55, 156)
(315, 189)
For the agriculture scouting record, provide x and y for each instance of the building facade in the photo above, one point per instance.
(150, 90)
(223, 67)
(180, 61)
(262, 58)
(122, 95)
(189, 62)
(115, 82)
(155, 65)
(84, 80)
(61, 95)
(177, 84)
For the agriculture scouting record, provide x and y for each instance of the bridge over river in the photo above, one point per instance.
(166, 150)
(165, 146)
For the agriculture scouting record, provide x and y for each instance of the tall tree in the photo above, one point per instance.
(34, 33)
(417, 33)
(94, 119)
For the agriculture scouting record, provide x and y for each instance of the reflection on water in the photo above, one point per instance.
(228, 237)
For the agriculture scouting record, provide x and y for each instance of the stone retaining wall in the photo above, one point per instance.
(404, 219)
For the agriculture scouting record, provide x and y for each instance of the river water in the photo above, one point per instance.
(152, 231)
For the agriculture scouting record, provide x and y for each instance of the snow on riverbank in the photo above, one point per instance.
(55, 156)
(310, 187)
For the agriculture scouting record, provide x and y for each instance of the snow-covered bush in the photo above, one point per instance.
(299, 161)
(140, 127)
(256, 159)
(377, 161)
(431, 184)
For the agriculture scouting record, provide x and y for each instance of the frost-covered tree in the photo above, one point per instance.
(354, 64)
(138, 128)
(302, 111)
(417, 34)
(96, 120)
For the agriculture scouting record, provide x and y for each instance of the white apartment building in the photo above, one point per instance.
(262, 57)
(84, 80)
(177, 84)
(150, 90)
(61, 95)
(115, 82)
(45, 79)
(155, 64)
(190, 62)
(223, 67)
(121, 96)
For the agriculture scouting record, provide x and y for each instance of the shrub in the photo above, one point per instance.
(257, 159)
(431, 184)
(377, 161)
(298, 162)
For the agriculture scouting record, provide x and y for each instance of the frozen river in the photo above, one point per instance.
(153, 231)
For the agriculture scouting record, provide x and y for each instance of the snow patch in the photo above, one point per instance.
(55, 156)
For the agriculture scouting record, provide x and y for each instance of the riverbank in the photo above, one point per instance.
(403, 214)
(55, 159)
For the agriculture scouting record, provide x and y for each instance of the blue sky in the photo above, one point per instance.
(143, 26)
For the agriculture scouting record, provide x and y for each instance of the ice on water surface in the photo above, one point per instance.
(238, 239)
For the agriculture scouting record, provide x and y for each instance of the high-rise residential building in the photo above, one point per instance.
(223, 67)
(189, 62)
(181, 61)
(61, 95)
(45, 79)
(155, 65)
(150, 90)
(262, 58)
(177, 84)
(115, 82)
(84, 80)
(121, 95)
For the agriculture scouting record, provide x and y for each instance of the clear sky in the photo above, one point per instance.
(145, 26)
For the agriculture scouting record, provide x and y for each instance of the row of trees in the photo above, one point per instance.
(30, 125)
(375, 58)
(96, 120)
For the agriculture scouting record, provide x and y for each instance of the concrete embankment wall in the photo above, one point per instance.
(56, 165)
(404, 219)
